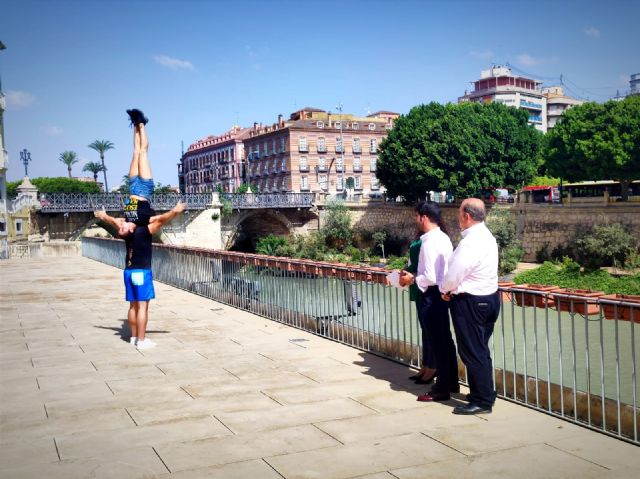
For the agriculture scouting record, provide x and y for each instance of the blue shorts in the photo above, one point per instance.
(141, 186)
(138, 285)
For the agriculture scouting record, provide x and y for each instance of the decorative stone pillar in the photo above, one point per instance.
(27, 189)
(202, 230)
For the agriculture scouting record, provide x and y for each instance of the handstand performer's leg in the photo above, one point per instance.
(135, 160)
(144, 167)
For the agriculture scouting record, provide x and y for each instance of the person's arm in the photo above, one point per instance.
(160, 220)
(460, 261)
(428, 277)
(109, 220)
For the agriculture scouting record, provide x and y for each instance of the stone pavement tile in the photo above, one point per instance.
(205, 388)
(130, 464)
(378, 426)
(254, 445)
(64, 380)
(377, 475)
(389, 400)
(128, 370)
(170, 411)
(26, 451)
(603, 450)
(528, 462)
(322, 392)
(202, 367)
(364, 457)
(306, 413)
(486, 436)
(17, 412)
(17, 386)
(238, 470)
(85, 444)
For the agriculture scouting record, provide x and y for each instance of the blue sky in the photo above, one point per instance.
(72, 68)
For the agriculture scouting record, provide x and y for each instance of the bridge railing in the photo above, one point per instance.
(556, 352)
(82, 202)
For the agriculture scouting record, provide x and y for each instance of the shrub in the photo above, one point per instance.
(270, 245)
(397, 262)
(607, 245)
(337, 229)
(55, 185)
(501, 224)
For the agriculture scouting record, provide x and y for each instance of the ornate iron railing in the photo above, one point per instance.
(270, 200)
(79, 202)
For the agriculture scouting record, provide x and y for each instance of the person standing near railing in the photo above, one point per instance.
(471, 285)
(435, 251)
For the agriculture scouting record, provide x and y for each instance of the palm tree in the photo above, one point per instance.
(95, 168)
(101, 146)
(69, 158)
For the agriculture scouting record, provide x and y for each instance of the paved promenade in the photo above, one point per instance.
(227, 394)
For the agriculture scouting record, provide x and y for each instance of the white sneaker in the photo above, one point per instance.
(133, 340)
(146, 343)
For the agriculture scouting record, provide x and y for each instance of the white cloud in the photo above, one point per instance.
(173, 63)
(19, 99)
(51, 130)
(482, 55)
(592, 32)
(527, 60)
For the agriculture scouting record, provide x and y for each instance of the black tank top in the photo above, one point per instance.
(139, 248)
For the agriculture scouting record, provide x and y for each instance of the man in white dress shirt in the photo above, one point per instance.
(471, 284)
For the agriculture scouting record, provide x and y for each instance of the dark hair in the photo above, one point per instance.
(477, 212)
(432, 211)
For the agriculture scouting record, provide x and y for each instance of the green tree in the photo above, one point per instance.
(101, 146)
(462, 149)
(124, 185)
(55, 185)
(597, 142)
(337, 229)
(69, 158)
(94, 167)
(503, 226)
(544, 181)
(161, 189)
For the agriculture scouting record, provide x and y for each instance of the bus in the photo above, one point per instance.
(593, 191)
(543, 194)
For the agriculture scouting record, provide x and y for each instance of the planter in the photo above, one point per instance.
(535, 300)
(624, 312)
(506, 296)
(584, 303)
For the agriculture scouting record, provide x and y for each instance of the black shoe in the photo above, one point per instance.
(136, 117)
(415, 376)
(467, 397)
(471, 408)
(428, 380)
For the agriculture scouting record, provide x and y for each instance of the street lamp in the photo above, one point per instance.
(25, 158)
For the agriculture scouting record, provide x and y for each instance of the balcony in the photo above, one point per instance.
(321, 168)
(339, 149)
(357, 168)
(535, 119)
(530, 104)
(339, 168)
(322, 149)
(373, 150)
(304, 168)
(303, 148)
(357, 149)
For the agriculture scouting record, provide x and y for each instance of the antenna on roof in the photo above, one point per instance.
(182, 147)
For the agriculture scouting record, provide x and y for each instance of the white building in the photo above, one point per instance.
(4, 164)
(498, 84)
(557, 104)
(634, 84)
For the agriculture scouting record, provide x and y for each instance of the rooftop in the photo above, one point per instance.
(230, 394)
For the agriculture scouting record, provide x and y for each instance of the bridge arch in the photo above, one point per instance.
(245, 228)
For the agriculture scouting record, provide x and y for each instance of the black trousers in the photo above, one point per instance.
(474, 318)
(428, 359)
(434, 318)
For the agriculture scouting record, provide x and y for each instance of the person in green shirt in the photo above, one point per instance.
(428, 371)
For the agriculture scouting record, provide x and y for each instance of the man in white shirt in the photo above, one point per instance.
(471, 284)
(433, 311)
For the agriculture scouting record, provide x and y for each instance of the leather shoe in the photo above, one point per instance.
(428, 380)
(431, 396)
(471, 408)
(415, 376)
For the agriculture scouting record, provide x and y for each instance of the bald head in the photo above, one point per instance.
(471, 211)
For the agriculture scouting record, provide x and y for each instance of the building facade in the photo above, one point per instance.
(4, 165)
(317, 151)
(557, 104)
(499, 84)
(213, 161)
(634, 84)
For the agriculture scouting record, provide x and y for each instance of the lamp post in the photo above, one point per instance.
(25, 158)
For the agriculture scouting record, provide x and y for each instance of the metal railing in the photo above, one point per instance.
(84, 202)
(559, 353)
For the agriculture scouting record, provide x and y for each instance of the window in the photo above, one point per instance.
(303, 163)
(322, 181)
(265, 148)
(340, 183)
(372, 126)
(338, 124)
(338, 145)
(18, 224)
(3, 226)
(339, 164)
(266, 167)
(357, 182)
(320, 124)
(283, 187)
(373, 145)
(373, 164)
(302, 144)
(273, 146)
(304, 182)
(282, 148)
(322, 165)
(356, 145)
(374, 183)
(283, 165)
(322, 147)
(357, 165)
(355, 126)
